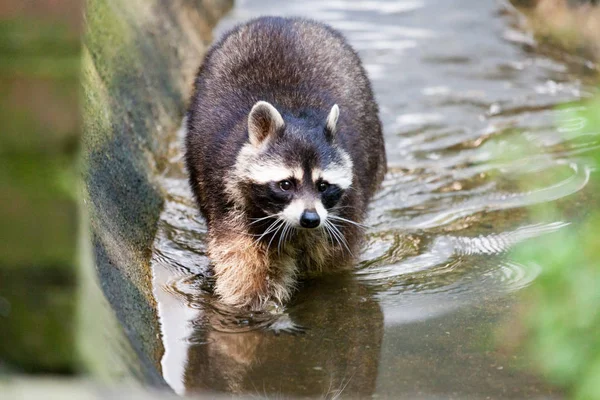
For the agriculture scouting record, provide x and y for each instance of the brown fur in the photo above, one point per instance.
(250, 273)
(246, 273)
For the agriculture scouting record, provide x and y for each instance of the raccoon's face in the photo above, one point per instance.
(292, 171)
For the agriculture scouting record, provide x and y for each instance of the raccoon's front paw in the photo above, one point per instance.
(267, 297)
(246, 288)
(247, 277)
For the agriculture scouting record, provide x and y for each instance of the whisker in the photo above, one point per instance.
(286, 228)
(282, 223)
(343, 239)
(326, 229)
(268, 230)
(255, 220)
(333, 233)
(338, 392)
(348, 221)
(336, 208)
(290, 232)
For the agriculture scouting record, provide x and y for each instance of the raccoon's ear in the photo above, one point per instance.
(263, 121)
(331, 124)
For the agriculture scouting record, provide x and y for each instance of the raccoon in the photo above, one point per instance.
(284, 150)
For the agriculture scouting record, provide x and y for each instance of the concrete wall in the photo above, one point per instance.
(139, 60)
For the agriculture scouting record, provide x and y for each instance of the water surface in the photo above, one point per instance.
(468, 107)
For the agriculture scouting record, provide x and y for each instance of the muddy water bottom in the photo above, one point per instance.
(469, 113)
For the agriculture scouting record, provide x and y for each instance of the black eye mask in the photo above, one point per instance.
(331, 196)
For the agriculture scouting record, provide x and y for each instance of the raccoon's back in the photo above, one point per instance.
(292, 62)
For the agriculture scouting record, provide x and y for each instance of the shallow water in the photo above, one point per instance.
(468, 106)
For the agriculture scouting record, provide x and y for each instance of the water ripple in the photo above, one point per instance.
(469, 112)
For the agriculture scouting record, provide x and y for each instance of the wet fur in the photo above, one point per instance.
(302, 68)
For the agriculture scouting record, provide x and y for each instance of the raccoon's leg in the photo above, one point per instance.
(246, 274)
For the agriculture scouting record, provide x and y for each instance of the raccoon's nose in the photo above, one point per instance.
(309, 219)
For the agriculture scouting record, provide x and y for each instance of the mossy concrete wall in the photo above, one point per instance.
(139, 60)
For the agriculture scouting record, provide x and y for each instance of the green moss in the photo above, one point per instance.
(95, 105)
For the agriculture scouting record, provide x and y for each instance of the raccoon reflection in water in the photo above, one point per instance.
(225, 349)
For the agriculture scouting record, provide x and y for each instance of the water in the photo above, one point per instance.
(468, 107)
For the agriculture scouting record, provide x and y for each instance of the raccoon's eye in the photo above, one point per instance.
(322, 186)
(285, 185)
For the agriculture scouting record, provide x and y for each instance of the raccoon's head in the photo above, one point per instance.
(292, 170)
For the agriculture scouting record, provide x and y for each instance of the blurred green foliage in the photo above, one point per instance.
(39, 116)
(49, 51)
(562, 317)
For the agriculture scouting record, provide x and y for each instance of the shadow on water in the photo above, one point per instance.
(468, 108)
